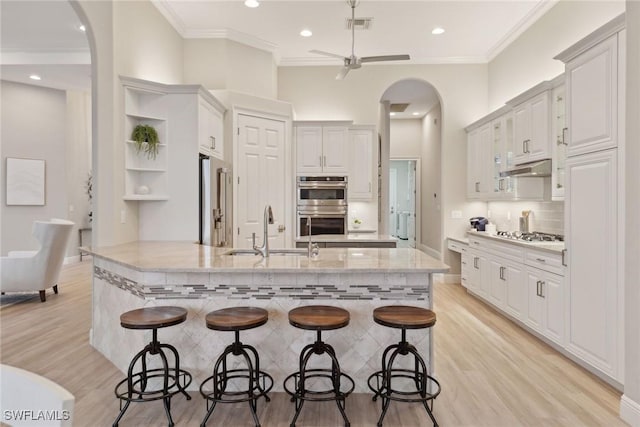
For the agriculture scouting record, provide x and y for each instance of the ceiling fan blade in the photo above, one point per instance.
(385, 58)
(343, 73)
(321, 52)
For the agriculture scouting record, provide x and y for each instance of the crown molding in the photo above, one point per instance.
(230, 34)
(520, 27)
(169, 14)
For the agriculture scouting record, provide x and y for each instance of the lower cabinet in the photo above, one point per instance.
(545, 310)
(478, 280)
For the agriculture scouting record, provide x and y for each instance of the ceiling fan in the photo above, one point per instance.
(353, 62)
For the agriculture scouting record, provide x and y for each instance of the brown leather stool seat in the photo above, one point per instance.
(319, 318)
(174, 380)
(427, 388)
(236, 319)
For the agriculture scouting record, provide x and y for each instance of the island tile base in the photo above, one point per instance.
(118, 288)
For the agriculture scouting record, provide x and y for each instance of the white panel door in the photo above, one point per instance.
(552, 291)
(516, 301)
(591, 201)
(360, 164)
(498, 284)
(261, 180)
(522, 132)
(335, 149)
(535, 302)
(592, 98)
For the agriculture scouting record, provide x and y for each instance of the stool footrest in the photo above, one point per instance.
(145, 395)
(319, 395)
(261, 387)
(401, 395)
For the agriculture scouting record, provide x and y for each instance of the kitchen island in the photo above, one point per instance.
(202, 278)
(350, 240)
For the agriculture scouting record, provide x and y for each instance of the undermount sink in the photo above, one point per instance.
(278, 252)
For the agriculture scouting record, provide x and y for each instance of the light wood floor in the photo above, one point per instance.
(492, 372)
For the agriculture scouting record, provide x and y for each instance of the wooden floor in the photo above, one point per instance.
(492, 372)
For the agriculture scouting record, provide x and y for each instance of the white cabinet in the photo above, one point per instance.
(322, 149)
(592, 88)
(503, 159)
(531, 129)
(210, 129)
(545, 308)
(479, 162)
(361, 162)
(145, 175)
(591, 227)
(516, 300)
(595, 92)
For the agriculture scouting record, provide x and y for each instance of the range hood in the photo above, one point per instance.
(539, 168)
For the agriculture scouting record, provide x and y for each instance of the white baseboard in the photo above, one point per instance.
(71, 259)
(429, 251)
(451, 278)
(630, 411)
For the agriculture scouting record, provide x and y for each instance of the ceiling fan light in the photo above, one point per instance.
(251, 3)
(437, 31)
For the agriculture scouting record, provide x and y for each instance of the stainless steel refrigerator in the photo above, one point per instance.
(216, 202)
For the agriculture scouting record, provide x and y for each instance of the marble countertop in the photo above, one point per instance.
(556, 247)
(363, 237)
(191, 257)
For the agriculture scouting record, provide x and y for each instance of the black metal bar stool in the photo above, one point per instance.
(237, 319)
(426, 387)
(174, 380)
(319, 318)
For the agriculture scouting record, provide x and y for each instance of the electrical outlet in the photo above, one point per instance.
(456, 214)
(123, 216)
(508, 215)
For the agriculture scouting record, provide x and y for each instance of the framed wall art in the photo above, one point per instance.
(25, 182)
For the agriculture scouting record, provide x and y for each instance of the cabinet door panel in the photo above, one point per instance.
(309, 149)
(535, 303)
(538, 147)
(591, 198)
(335, 149)
(498, 284)
(522, 130)
(592, 99)
(554, 313)
(360, 164)
(516, 300)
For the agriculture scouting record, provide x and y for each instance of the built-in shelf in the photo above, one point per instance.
(128, 141)
(145, 117)
(146, 169)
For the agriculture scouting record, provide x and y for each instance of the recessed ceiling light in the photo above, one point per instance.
(437, 30)
(392, 113)
(415, 113)
(251, 3)
(82, 28)
(306, 33)
(35, 77)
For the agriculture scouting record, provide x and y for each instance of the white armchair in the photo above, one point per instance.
(28, 399)
(36, 271)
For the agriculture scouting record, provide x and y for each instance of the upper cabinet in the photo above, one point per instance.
(360, 186)
(479, 162)
(558, 142)
(592, 102)
(532, 116)
(210, 129)
(322, 148)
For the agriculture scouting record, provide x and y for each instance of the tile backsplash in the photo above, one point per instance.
(547, 217)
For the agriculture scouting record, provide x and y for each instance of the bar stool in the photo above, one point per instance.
(237, 319)
(427, 388)
(319, 318)
(174, 380)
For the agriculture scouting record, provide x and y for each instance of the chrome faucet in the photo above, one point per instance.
(268, 219)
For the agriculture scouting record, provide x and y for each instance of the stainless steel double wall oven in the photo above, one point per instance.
(322, 201)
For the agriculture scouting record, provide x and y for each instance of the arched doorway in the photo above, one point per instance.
(411, 141)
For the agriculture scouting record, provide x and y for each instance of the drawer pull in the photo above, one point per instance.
(476, 243)
(541, 260)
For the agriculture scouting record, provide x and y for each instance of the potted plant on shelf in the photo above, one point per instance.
(356, 223)
(146, 139)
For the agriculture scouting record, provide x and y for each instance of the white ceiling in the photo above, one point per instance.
(42, 36)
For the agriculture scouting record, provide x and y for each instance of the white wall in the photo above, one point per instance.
(630, 408)
(406, 136)
(122, 44)
(33, 127)
(317, 95)
(225, 64)
(431, 176)
(529, 59)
